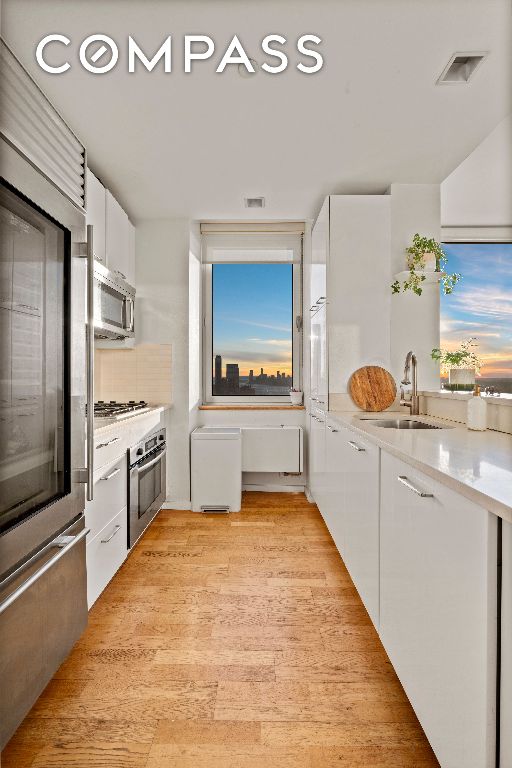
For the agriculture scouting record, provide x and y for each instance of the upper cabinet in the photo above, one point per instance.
(96, 214)
(319, 256)
(114, 234)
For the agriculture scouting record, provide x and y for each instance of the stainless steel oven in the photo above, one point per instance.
(146, 493)
(114, 305)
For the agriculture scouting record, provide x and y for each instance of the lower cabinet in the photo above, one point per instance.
(352, 508)
(438, 567)
(106, 552)
(317, 468)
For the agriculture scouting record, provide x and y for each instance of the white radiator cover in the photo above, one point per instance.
(272, 449)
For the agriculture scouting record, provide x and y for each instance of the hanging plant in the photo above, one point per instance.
(423, 252)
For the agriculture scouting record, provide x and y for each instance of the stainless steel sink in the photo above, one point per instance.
(403, 424)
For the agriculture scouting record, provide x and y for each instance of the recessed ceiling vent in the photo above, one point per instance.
(461, 68)
(254, 202)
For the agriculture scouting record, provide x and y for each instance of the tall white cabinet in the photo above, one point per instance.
(349, 296)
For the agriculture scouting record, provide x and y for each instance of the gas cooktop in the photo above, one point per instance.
(114, 410)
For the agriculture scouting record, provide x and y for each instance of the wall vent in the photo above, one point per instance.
(461, 68)
(254, 202)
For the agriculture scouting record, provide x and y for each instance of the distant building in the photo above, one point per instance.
(232, 376)
(218, 369)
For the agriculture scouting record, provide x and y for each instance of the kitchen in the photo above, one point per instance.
(244, 519)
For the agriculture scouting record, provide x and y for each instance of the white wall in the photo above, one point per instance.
(162, 277)
(414, 319)
(478, 193)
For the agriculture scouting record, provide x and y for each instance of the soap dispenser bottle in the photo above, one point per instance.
(477, 411)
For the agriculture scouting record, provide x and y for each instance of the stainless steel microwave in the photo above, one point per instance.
(114, 305)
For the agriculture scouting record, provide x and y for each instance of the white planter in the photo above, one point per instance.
(430, 262)
(296, 398)
(462, 376)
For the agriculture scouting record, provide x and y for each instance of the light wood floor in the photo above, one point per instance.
(227, 642)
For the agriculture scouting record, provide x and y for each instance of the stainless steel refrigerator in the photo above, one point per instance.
(43, 376)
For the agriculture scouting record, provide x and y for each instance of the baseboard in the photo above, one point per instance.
(185, 505)
(274, 488)
(309, 496)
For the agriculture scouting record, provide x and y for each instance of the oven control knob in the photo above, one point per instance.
(139, 451)
(160, 437)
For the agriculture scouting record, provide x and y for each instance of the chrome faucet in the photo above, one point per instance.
(414, 402)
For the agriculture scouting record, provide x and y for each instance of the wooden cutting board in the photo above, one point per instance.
(372, 388)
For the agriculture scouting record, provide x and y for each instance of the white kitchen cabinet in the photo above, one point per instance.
(110, 495)
(117, 237)
(105, 554)
(359, 467)
(438, 610)
(333, 509)
(96, 213)
(319, 256)
(317, 466)
(130, 255)
(318, 343)
(506, 649)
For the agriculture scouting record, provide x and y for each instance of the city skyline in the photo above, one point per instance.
(253, 316)
(259, 383)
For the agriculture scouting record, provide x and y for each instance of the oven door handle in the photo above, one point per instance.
(149, 464)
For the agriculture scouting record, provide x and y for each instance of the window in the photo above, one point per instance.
(481, 308)
(252, 339)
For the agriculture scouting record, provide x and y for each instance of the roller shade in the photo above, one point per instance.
(30, 123)
(238, 248)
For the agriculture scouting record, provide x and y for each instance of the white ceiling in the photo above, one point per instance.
(172, 145)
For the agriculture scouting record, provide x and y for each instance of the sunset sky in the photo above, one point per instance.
(252, 316)
(481, 304)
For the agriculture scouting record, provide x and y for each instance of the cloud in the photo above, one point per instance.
(274, 342)
(269, 326)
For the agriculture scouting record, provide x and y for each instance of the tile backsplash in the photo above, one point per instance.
(141, 373)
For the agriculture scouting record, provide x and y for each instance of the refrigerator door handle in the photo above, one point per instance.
(87, 475)
(64, 543)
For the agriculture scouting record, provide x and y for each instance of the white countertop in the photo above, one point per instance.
(106, 425)
(476, 464)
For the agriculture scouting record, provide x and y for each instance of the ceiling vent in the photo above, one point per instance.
(461, 68)
(254, 202)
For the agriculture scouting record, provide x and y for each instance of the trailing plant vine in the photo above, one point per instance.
(416, 266)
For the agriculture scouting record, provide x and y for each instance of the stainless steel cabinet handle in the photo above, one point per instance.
(90, 362)
(118, 272)
(111, 474)
(65, 543)
(117, 528)
(405, 481)
(332, 428)
(108, 442)
(321, 299)
(355, 446)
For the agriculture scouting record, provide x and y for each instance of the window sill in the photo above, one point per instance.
(504, 399)
(248, 407)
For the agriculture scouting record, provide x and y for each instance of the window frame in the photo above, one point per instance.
(207, 357)
(474, 236)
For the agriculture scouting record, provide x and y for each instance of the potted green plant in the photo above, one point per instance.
(425, 255)
(461, 364)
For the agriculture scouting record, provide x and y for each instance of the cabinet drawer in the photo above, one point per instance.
(108, 447)
(110, 495)
(105, 555)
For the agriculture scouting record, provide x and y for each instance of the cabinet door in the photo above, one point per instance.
(318, 345)
(335, 510)
(117, 237)
(96, 214)
(359, 465)
(317, 457)
(130, 257)
(319, 254)
(438, 610)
